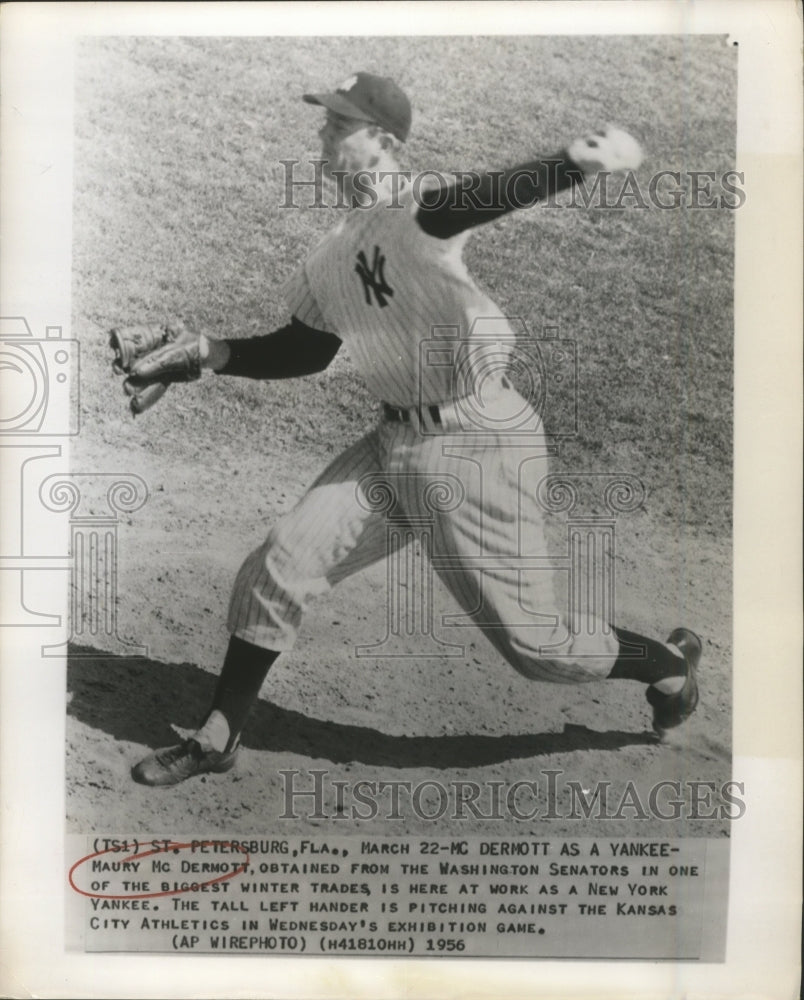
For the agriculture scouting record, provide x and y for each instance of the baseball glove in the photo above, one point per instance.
(153, 357)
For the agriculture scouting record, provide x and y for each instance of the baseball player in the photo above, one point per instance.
(382, 281)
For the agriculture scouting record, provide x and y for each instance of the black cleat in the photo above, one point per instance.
(171, 765)
(670, 710)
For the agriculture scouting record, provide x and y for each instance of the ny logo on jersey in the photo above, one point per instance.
(373, 277)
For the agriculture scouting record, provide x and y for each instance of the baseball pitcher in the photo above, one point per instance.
(389, 274)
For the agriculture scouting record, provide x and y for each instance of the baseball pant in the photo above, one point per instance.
(469, 491)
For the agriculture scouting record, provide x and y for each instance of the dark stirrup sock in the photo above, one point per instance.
(656, 664)
(245, 667)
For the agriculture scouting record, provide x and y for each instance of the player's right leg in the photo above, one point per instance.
(327, 536)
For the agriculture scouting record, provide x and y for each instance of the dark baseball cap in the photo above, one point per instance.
(373, 98)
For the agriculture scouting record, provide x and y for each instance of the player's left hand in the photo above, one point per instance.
(609, 150)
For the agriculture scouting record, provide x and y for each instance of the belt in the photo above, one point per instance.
(445, 417)
(417, 415)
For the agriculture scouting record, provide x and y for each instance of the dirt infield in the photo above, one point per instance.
(176, 197)
(470, 718)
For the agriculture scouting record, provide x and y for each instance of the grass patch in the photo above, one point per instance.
(178, 194)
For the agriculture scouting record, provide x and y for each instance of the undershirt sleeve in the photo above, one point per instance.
(476, 198)
(289, 352)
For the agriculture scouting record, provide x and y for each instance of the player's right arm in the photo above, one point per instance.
(291, 351)
(294, 350)
(304, 346)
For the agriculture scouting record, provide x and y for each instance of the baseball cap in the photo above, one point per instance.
(376, 98)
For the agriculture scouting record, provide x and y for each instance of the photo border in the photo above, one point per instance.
(764, 892)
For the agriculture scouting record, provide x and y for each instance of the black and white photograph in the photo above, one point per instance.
(341, 559)
(387, 460)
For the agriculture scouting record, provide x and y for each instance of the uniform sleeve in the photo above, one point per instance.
(473, 198)
(301, 301)
(290, 352)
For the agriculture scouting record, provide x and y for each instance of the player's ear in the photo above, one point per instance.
(389, 142)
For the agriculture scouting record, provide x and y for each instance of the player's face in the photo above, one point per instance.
(349, 144)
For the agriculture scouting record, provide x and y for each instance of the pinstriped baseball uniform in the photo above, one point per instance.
(430, 287)
(385, 288)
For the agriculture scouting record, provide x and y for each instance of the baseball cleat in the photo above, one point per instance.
(171, 765)
(670, 710)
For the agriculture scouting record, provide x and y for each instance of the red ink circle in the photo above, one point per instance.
(172, 847)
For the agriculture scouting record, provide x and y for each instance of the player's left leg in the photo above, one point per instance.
(668, 668)
(492, 553)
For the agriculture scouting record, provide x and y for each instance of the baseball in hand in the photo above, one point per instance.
(609, 150)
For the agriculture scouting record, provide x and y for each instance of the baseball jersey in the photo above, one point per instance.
(416, 325)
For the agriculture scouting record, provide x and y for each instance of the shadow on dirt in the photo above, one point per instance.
(137, 699)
